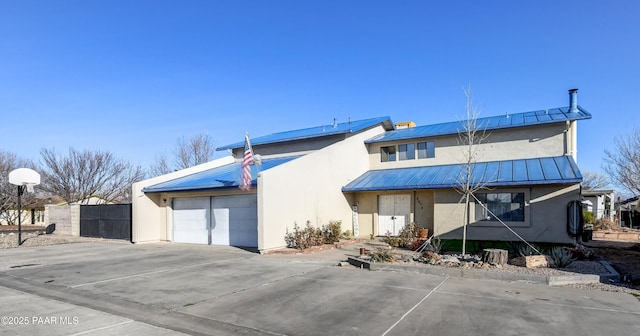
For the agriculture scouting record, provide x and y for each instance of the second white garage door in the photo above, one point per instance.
(235, 220)
(218, 220)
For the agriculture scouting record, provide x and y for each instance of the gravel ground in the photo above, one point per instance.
(577, 267)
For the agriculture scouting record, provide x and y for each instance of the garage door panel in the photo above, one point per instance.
(220, 227)
(235, 220)
(191, 220)
(218, 220)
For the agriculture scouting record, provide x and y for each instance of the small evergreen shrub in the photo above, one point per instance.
(561, 256)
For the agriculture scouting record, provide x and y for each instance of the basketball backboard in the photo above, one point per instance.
(24, 177)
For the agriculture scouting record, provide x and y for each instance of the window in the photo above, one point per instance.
(508, 207)
(387, 153)
(406, 152)
(426, 150)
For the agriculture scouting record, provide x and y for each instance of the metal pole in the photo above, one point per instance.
(20, 191)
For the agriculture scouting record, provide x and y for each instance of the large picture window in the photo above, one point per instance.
(406, 152)
(426, 150)
(508, 207)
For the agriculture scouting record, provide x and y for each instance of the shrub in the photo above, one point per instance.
(391, 240)
(523, 250)
(332, 232)
(290, 237)
(436, 244)
(587, 216)
(302, 238)
(407, 235)
(561, 256)
(416, 245)
(382, 256)
(582, 253)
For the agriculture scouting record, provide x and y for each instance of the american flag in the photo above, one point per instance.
(247, 160)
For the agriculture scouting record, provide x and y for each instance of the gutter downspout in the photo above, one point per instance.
(574, 140)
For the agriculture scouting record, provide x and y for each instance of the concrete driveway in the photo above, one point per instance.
(115, 288)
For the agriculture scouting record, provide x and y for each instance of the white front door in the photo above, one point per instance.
(191, 220)
(393, 213)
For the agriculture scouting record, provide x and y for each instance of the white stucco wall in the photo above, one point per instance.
(506, 144)
(309, 188)
(150, 212)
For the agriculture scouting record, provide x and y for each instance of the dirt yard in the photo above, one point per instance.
(624, 256)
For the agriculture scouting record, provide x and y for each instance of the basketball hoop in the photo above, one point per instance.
(23, 178)
(30, 187)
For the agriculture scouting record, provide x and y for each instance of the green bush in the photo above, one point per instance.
(587, 216)
(521, 249)
(561, 256)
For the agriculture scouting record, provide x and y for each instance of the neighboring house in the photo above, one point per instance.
(630, 212)
(375, 178)
(599, 202)
(33, 211)
(90, 200)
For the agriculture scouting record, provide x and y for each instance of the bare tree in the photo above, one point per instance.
(593, 181)
(188, 153)
(9, 192)
(82, 174)
(161, 166)
(469, 136)
(623, 162)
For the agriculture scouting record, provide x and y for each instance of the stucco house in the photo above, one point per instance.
(599, 202)
(375, 177)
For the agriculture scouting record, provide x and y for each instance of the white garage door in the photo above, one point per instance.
(218, 220)
(235, 220)
(191, 217)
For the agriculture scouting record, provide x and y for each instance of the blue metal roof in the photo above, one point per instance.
(224, 177)
(314, 132)
(551, 170)
(488, 123)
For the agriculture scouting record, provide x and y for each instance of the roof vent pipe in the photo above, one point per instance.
(573, 101)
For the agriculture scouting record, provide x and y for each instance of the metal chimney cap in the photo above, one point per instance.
(573, 100)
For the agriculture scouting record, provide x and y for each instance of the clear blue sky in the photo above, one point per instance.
(132, 77)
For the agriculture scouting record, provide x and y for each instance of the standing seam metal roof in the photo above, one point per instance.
(550, 170)
(314, 132)
(488, 123)
(223, 177)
